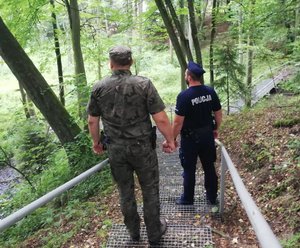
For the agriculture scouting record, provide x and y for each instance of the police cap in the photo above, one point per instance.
(120, 54)
(196, 69)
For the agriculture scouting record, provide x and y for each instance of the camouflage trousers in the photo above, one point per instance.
(141, 158)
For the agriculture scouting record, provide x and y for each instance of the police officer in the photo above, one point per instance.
(194, 121)
(125, 102)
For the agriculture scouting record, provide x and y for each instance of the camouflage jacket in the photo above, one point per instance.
(124, 102)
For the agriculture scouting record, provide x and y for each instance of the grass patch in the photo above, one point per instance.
(293, 242)
(286, 122)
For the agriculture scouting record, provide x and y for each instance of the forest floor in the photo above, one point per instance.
(264, 144)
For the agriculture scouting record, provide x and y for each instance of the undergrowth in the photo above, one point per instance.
(265, 141)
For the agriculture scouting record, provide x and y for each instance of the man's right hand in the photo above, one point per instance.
(98, 148)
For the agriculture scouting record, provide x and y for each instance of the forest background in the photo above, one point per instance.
(52, 52)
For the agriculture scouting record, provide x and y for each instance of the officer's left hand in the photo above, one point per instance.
(216, 134)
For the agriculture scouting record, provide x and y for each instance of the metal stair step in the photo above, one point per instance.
(183, 213)
(176, 236)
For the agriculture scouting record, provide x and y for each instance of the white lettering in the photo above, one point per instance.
(201, 99)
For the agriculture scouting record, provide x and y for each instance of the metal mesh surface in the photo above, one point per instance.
(172, 181)
(176, 236)
(181, 213)
(175, 191)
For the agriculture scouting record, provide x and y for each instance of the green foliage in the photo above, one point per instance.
(21, 20)
(292, 85)
(99, 182)
(229, 73)
(296, 50)
(76, 210)
(293, 242)
(34, 144)
(294, 145)
(164, 75)
(154, 28)
(287, 122)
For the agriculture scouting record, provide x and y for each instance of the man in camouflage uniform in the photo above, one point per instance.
(124, 102)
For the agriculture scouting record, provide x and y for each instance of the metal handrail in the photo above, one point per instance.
(20, 214)
(263, 231)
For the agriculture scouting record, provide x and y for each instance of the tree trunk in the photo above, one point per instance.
(129, 11)
(171, 51)
(203, 14)
(80, 76)
(58, 56)
(171, 32)
(211, 45)
(24, 101)
(36, 87)
(168, 23)
(249, 71)
(297, 16)
(195, 34)
(297, 20)
(250, 58)
(183, 40)
(241, 53)
(228, 95)
(64, 126)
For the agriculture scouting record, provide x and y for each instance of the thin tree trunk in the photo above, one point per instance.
(203, 15)
(24, 101)
(195, 33)
(129, 10)
(297, 20)
(249, 71)
(249, 58)
(58, 56)
(80, 75)
(171, 51)
(211, 45)
(182, 19)
(140, 24)
(183, 40)
(241, 35)
(172, 35)
(227, 92)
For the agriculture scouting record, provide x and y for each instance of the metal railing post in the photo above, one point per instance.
(222, 181)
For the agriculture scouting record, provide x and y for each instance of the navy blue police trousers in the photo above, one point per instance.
(190, 150)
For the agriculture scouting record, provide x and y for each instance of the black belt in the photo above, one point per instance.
(195, 132)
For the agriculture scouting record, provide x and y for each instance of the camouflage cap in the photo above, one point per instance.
(120, 52)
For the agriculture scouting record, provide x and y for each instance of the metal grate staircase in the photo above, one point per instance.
(183, 230)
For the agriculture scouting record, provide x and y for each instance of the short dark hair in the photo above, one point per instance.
(121, 61)
(194, 77)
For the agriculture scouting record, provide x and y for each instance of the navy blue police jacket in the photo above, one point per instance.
(196, 104)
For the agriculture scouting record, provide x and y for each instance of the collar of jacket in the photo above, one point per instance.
(121, 72)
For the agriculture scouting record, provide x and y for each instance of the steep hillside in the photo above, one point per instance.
(264, 144)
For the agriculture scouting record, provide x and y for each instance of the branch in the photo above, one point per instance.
(8, 163)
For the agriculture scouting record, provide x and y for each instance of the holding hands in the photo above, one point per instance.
(169, 147)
